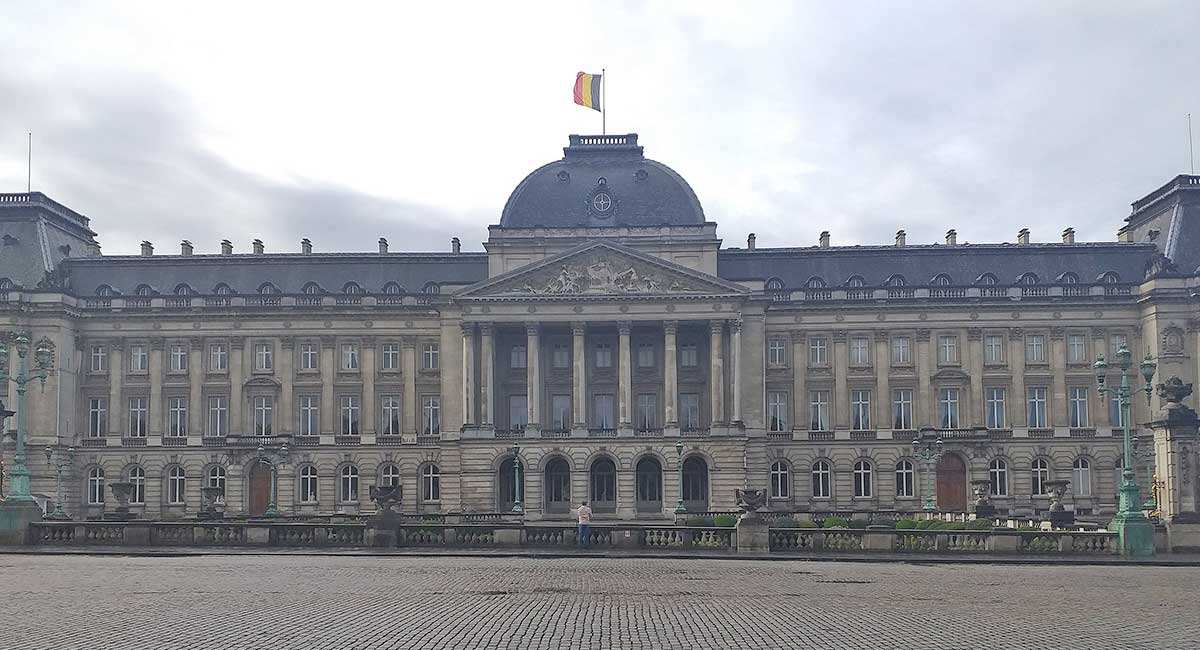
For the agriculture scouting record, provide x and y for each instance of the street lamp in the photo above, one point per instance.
(517, 508)
(1135, 535)
(61, 460)
(679, 507)
(930, 452)
(273, 458)
(43, 361)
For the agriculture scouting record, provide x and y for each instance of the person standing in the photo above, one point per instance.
(584, 513)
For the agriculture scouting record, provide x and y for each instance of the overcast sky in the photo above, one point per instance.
(344, 122)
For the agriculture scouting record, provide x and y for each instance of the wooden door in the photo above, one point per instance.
(260, 489)
(952, 484)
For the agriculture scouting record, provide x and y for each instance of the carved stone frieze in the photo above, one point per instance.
(603, 273)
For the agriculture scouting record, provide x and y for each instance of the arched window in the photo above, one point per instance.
(603, 485)
(1068, 278)
(781, 480)
(176, 485)
(105, 291)
(431, 483)
(352, 287)
(312, 289)
(6, 284)
(143, 290)
(348, 484)
(1110, 277)
(941, 280)
(906, 479)
(998, 477)
(821, 484)
(223, 289)
(216, 477)
(695, 484)
(308, 484)
(1081, 477)
(862, 478)
(95, 486)
(815, 282)
(856, 282)
(649, 485)
(557, 488)
(137, 481)
(895, 280)
(393, 289)
(267, 288)
(389, 474)
(431, 288)
(1040, 472)
(775, 284)
(511, 478)
(987, 280)
(184, 289)
(1027, 279)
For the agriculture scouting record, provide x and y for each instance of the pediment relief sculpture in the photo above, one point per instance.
(602, 274)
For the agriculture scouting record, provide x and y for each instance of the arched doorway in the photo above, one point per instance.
(648, 498)
(506, 485)
(952, 484)
(260, 489)
(603, 485)
(556, 487)
(695, 484)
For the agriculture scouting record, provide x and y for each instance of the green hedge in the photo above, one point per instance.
(791, 522)
(938, 524)
(725, 521)
(835, 522)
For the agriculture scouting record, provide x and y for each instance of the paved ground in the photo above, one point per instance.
(291, 601)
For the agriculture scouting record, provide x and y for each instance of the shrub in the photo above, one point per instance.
(979, 524)
(906, 524)
(835, 522)
(857, 524)
(697, 521)
(785, 522)
(725, 521)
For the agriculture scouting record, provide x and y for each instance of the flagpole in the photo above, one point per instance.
(1191, 149)
(29, 165)
(603, 101)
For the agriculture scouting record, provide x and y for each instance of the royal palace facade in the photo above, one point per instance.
(609, 341)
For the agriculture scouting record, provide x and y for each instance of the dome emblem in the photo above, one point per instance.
(602, 202)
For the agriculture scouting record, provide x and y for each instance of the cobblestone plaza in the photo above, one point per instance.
(346, 602)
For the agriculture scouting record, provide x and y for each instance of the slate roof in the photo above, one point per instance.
(644, 192)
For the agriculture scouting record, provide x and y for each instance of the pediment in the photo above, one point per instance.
(602, 269)
(950, 374)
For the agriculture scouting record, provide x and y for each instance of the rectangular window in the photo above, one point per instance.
(560, 356)
(390, 408)
(139, 360)
(350, 407)
(1118, 341)
(309, 355)
(218, 416)
(264, 415)
(264, 357)
(1077, 406)
(994, 407)
(179, 358)
(993, 349)
(818, 410)
(902, 409)
(177, 416)
(518, 357)
(689, 411)
(948, 408)
(218, 358)
(1116, 414)
(818, 351)
(430, 357)
(688, 356)
(860, 410)
(99, 358)
(860, 352)
(97, 417)
(560, 411)
(1076, 348)
(777, 353)
(349, 356)
(603, 355)
(947, 349)
(645, 355)
(518, 411)
(391, 356)
(138, 413)
(1036, 401)
(310, 415)
(602, 407)
(777, 410)
(1035, 348)
(647, 411)
(432, 406)
(901, 351)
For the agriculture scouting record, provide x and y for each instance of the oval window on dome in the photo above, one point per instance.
(602, 202)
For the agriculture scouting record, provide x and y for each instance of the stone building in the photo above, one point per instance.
(610, 340)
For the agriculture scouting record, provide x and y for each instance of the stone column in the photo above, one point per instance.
(328, 364)
(735, 359)
(408, 351)
(799, 374)
(116, 374)
(487, 376)
(716, 372)
(1100, 415)
(579, 374)
(196, 386)
(286, 415)
(924, 410)
(1058, 368)
(883, 397)
(370, 418)
(670, 375)
(975, 374)
(841, 394)
(155, 426)
(237, 345)
(468, 371)
(533, 376)
(625, 377)
(1016, 362)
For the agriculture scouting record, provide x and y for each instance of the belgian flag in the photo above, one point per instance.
(587, 90)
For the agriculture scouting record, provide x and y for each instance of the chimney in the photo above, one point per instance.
(147, 249)
(258, 246)
(951, 237)
(226, 247)
(1069, 236)
(1023, 236)
(305, 246)
(455, 246)
(750, 241)
(824, 239)
(383, 244)
(900, 237)
(185, 247)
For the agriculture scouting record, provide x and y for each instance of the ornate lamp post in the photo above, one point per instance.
(61, 460)
(43, 361)
(1135, 534)
(273, 458)
(929, 452)
(679, 507)
(518, 507)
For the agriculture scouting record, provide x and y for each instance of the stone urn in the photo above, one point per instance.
(1059, 516)
(212, 500)
(752, 503)
(386, 497)
(120, 491)
(753, 533)
(981, 502)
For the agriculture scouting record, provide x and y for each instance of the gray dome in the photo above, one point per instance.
(602, 180)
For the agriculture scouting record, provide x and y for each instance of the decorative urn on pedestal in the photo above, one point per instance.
(1060, 517)
(981, 503)
(120, 491)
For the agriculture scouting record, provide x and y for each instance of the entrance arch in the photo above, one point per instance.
(952, 484)
(260, 489)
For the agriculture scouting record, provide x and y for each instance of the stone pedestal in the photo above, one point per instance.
(15, 517)
(1176, 458)
(878, 538)
(1183, 537)
(753, 536)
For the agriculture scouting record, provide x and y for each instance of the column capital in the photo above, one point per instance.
(196, 342)
(624, 327)
(974, 334)
(1099, 332)
(532, 328)
(716, 326)
(237, 342)
(156, 343)
(578, 328)
(882, 336)
(368, 341)
(1057, 333)
(117, 345)
(799, 336)
(839, 336)
(287, 342)
(1016, 333)
(923, 335)
(670, 326)
(468, 329)
(408, 342)
(485, 329)
(735, 326)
